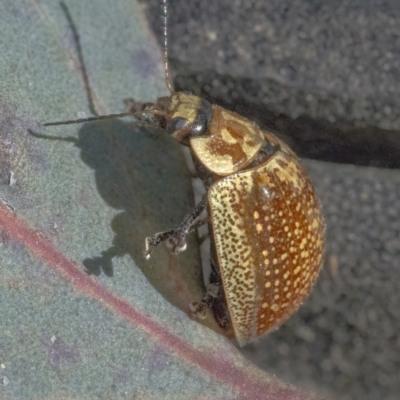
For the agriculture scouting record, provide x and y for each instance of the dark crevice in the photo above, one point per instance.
(343, 141)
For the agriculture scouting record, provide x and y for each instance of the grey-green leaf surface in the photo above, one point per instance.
(83, 315)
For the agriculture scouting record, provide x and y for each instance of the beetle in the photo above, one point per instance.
(265, 220)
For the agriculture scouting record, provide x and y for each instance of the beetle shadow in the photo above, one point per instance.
(142, 173)
(119, 153)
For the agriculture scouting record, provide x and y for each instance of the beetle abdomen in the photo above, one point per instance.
(269, 236)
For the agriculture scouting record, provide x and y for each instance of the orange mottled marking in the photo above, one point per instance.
(269, 235)
(231, 143)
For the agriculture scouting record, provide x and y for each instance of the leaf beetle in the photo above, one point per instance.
(265, 219)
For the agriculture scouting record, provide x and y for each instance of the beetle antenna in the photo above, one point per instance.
(100, 117)
(168, 81)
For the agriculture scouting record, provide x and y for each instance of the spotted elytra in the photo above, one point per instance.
(265, 220)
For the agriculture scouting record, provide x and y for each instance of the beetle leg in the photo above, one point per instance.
(133, 106)
(144, 112)
(154, 241)
(214, 300)
(176, 238)
(199, 308)
(198, 223)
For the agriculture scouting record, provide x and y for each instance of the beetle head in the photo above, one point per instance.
(185, 115)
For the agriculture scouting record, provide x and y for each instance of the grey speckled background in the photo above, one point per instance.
(324, 76)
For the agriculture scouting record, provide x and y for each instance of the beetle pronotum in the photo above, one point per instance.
(265, 220)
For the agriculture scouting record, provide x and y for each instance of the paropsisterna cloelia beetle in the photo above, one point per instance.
(265, 221)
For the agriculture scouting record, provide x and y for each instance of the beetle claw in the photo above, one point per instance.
(149, 246)
(177, 243)
(198, 309)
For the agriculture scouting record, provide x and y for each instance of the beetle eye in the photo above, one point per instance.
(199, 125)
(175, 124)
